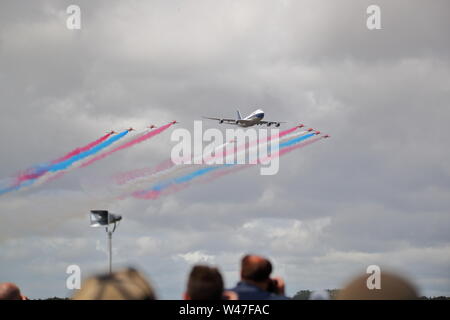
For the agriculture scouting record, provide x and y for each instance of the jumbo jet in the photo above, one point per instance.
(255, 118)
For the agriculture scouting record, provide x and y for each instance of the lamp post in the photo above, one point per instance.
(102, 218)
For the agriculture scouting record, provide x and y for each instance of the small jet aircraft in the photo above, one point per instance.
(130, 129)
(112, 132)
(326, 136)
(152, 126)
(174, 122)
(255, 118)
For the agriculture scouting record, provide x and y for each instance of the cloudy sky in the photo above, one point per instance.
(377, 192)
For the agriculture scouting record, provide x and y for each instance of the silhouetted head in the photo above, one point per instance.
(392, 287)
(128, 284)
(9, 291)
(255, 268)
(204, 283)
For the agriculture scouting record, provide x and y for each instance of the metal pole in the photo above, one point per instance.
(110, 250)
(109, 243)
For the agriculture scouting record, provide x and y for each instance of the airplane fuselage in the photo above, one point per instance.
(255, 118)
(252, 119)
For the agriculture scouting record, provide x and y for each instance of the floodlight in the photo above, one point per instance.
(102, 218)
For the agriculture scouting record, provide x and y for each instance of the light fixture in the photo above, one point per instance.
(102, 218)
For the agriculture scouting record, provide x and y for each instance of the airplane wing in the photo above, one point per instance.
(222, 120)
(269, 123)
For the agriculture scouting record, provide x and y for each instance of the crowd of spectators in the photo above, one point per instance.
(206, 283)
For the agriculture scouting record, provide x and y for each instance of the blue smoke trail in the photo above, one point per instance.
(295, 140)
(65, 164)
(186, 178)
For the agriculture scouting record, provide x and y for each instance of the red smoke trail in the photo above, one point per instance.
(127, 144)
(285, 132)
(31, 173)
(83, 149)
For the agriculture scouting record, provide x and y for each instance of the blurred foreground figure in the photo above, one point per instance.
(256, 283)
(9, 291)
(128, 284)
(393, 287)
(206, 283)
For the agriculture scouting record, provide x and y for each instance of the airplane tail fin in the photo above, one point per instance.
(238, 115)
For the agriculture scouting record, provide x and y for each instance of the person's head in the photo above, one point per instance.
(204, 283)
(392, 287)
(255, 269)
(127, 284)
(9, 291)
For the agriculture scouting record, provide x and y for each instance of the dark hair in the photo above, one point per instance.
(205, 283)
(255, 268)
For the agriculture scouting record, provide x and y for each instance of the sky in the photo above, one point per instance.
(376, 192)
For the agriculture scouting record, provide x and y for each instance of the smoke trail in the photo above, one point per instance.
(52, 176)
(169, 164)
(83, 149)
(141, 182)
(157, 189)
(283, 151)
(123, 178)
(67, 163)
(34, 173)
(128, 144)
(49, 170)
(157, 170)
(216, 174)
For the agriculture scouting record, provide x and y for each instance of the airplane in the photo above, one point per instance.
(174, 122)
(152, 126)
(300, 125)
(317, 132)
(130, 129)
(310, 129)
(326, 136)
(255, 118)
(112, 132)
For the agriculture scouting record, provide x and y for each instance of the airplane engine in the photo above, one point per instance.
(269, 124)
(277, 125)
